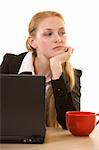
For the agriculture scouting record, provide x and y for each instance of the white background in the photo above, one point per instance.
(82, 24)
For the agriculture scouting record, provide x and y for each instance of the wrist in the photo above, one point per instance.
(56, 69)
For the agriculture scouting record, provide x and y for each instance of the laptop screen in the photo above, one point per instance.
(22, 106)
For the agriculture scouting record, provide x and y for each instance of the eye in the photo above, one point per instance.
(61, 33)
(48, 34)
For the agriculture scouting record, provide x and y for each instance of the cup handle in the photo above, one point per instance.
(98, 120)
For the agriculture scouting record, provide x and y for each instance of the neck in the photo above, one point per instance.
(42, 67)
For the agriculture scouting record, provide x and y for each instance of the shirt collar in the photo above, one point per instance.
(27, 64)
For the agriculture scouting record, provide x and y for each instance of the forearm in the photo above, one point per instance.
(65, 99)
(56, 69)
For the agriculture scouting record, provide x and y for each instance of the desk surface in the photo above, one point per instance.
(59, 139)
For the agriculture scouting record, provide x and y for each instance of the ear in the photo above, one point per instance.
(32, 42)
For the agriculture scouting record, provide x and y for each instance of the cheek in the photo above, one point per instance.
(45, 45)
(64, 40)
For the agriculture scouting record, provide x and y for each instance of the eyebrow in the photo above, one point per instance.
(49, 29)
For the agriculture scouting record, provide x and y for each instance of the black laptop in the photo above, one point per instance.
(22, 108)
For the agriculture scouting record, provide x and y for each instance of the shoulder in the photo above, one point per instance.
(77, 72)
(12, 57)
(11, 62)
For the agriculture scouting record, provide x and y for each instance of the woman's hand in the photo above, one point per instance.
(57, 61)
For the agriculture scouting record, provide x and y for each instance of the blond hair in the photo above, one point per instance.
(33, 25)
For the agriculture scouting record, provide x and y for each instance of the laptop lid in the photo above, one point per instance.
(22, 108)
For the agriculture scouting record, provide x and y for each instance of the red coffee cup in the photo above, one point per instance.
(81, 123)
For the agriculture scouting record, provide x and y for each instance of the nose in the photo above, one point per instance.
(57, 38)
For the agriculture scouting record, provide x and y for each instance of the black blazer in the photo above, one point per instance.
(65, 99)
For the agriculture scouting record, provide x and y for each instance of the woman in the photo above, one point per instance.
(49, 55)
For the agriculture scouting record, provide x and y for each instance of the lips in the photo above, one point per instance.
(58, 47)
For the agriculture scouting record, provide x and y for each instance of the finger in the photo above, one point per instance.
(70, 50)
(66, 49)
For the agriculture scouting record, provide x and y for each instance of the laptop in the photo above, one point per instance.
(22, 108)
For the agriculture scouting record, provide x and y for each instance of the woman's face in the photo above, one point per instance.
(50, 37)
